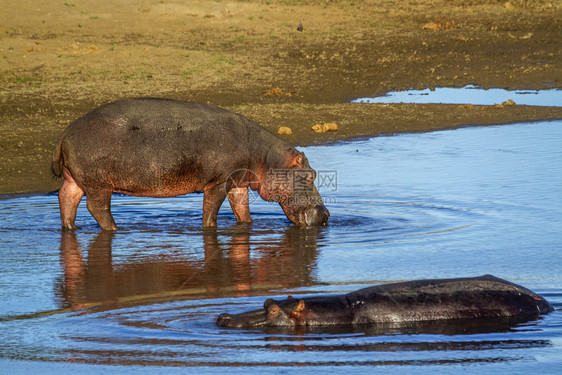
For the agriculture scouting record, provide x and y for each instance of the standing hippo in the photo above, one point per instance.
(163, 148)
(421, 300)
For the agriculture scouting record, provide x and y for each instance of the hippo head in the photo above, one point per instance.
(285, 313)
(292, 186)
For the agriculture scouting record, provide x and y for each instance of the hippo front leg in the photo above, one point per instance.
(240, 203)
(212, 201)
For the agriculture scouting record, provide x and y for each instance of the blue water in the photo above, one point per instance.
(455, 203)
(470, 95)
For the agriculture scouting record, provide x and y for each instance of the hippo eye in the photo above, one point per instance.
(273, 311)
(310, 178)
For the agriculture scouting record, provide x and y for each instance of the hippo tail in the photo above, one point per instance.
(57, 160)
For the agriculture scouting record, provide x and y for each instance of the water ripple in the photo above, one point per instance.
(445, 204)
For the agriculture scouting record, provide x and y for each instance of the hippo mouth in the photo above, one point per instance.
(318, 215)
(309, 217)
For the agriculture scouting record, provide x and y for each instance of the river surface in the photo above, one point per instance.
(455, 203)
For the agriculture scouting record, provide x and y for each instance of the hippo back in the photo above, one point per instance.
(162, 142)
(479, 297)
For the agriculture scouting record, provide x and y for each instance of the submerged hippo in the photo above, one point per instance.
(421, 300)
(164, 148)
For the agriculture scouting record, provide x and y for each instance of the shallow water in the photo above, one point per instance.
(453, 203)
(470, 95)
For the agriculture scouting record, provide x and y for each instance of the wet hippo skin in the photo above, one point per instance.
(421, 300)
(165, 148)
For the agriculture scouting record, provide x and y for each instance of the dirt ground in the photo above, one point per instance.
(60, 59)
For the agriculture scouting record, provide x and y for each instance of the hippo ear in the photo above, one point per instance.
(298, 313)
(300, 306)
(296, 159)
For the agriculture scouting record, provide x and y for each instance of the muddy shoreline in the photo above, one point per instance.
(58, 61)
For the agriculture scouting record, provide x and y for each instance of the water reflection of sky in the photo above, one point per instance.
(469, 95)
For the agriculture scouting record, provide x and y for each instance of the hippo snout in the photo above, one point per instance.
(256, 318)
(224, 320)
(317, 215)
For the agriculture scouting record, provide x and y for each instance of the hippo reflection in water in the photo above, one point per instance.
(414, 301)
(163, 148)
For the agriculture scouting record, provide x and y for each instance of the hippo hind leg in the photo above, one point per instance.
(98, 202)
(70, 195)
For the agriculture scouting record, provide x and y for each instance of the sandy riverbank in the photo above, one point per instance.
(59, 60)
